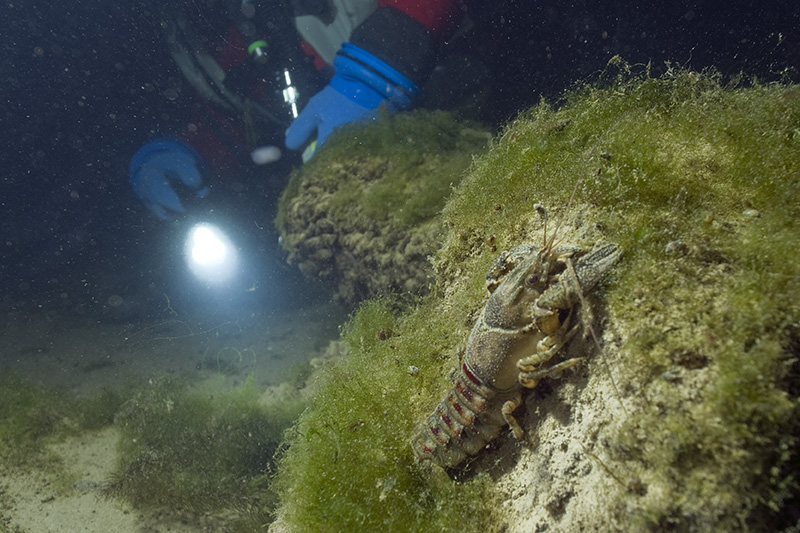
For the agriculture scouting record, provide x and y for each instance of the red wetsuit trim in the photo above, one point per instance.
(438, 16)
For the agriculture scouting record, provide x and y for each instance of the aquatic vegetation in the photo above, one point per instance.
(33, 416)
(349, 466)
(29, 416)
(181, 447)
(361, 216)
(198, 450)
(698, 183)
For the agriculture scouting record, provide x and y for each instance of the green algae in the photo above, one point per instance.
(197, 450)
(33, 416)
(348, 468)
(698, 183)
(418, 155)
(362, 216)
(181, 447)
(30, 417)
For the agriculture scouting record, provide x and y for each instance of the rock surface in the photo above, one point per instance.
(362, 218)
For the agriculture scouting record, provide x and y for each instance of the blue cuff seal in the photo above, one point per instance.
(356, 63)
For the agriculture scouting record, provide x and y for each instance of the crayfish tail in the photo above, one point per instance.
(460, 425)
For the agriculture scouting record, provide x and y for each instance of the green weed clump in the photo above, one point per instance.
(197, 450)
(349, 467)
(33, 416)
(699, 185)
(418, 156)
(30, 417)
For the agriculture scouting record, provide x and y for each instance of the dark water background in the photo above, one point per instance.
(85, 83)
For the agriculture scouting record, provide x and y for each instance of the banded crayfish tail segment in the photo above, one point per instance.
(460, 425)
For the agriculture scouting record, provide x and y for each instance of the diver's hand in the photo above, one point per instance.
(154, 169)
(331, 107)
(361, 84)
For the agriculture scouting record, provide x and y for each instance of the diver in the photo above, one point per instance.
(255, 78)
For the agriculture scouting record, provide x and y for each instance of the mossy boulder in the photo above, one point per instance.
(361, 215)
(685, 415)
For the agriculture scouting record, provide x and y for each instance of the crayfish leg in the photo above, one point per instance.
(548, 347)
(530, 379)
(508, 410)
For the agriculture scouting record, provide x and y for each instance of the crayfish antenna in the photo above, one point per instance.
(543, 213)
(587, 324)
(549, 246)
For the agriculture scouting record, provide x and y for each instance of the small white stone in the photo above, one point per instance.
(751, 213)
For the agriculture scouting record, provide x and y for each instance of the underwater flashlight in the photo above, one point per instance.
(290, 93)
(211, 254)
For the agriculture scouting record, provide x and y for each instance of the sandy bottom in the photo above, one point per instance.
(33, 501)
(80, 356)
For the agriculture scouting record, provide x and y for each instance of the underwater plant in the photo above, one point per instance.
(361, 216)
(29, 416)
(687, 416)
(198, 450)
(33, 416)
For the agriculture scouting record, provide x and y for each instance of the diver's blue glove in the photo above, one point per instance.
(361, 84)
(156, 166)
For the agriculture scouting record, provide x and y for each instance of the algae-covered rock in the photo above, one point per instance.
(685, 414)
(361, 215)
